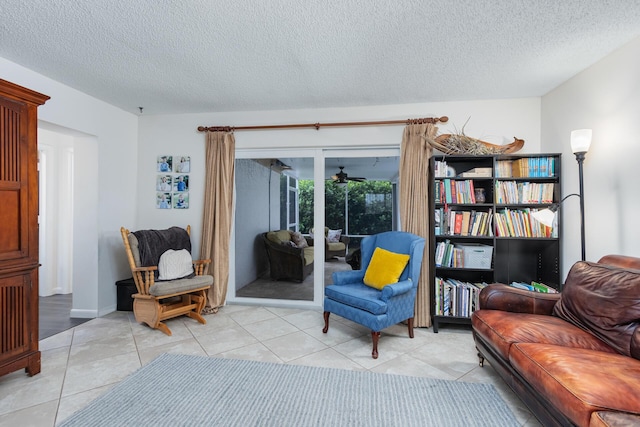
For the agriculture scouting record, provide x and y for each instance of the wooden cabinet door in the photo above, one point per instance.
(19, 229)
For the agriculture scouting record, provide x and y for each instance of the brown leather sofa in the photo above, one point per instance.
(572, 357)
(287, 262)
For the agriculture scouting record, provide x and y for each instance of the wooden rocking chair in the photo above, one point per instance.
(160, 300)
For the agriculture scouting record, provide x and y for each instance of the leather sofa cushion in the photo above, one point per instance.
(579, 381)
(603, 300)
(503, 328)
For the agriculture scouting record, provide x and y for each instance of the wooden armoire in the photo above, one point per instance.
(19, 228)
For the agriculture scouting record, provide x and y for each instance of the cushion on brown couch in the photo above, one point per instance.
(604, 301)
(299, 240)
(282, 237)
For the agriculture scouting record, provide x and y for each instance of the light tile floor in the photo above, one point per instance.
(80, 364)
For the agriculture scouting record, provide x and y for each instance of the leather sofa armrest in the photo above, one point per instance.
(507, 298)
(621, 261)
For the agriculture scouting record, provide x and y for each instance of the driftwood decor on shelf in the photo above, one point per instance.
(462, 144)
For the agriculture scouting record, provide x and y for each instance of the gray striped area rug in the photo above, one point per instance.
(181, 390)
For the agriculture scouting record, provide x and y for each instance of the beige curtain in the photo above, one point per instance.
(415, 154)
(217, 220)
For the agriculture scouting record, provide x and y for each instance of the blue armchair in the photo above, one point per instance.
(351, 298)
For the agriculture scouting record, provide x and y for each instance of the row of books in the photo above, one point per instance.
(526, 167)
(463, 223)
(460, 255)
(447, 255)
(454, 191)
(520, 223)
(441, 169)
(534, 286)
(507, 192)
(456, 298)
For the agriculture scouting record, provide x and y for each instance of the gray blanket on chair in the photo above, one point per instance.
(153, 243)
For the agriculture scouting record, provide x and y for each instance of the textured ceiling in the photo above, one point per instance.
(184, 56)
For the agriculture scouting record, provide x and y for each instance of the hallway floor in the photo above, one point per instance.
(54, 315)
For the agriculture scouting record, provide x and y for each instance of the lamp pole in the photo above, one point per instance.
(580, 158)
(580, 143)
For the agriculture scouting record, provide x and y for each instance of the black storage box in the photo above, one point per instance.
(126, 288)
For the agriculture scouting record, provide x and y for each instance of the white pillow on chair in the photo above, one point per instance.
(175, 264)
(333, 236)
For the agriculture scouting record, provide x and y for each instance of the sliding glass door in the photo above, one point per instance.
(306, 192)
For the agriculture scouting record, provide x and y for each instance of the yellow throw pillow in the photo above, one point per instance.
(385, 268)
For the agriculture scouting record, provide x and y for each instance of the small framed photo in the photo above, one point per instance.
(163, 183)
(181, 183)
(181, 200)
(163, 200)
(165, 163)
(182, 164)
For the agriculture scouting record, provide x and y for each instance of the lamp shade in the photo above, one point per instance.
(545, 216)
(580, 140)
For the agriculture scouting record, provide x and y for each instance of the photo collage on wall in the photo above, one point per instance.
(172, 182)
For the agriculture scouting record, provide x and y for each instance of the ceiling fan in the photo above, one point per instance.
(342, 177)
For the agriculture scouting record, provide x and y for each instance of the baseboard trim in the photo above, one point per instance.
(84, 314)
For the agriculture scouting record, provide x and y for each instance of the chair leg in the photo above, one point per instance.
(326, 322)
(164, 328)
(376, 337)
(410, 326)
(199, 299)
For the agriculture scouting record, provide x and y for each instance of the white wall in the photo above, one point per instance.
(55, 160)
(252, 207)
(107, 137)
(605, 98)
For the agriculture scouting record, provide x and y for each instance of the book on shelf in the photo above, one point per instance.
(477, 173)
(454, 191)
(466, 221)
(512, 192)
(447, 255)
(457, 298)
(534, 286)
(520, 223)
(448, 222)
(526, 167)
(457, 224)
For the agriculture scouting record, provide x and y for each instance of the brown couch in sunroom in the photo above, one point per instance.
(290, 255)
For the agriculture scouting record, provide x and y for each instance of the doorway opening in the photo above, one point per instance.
(67, 164)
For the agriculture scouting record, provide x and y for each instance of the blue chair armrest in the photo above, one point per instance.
(347, 277)
(395, 289)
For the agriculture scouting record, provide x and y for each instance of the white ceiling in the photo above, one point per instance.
(185, 56)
